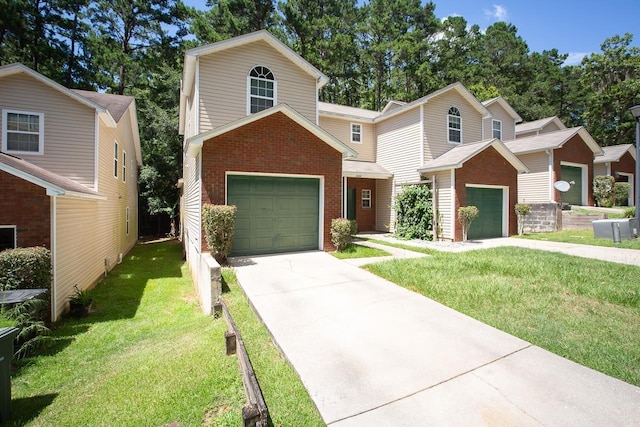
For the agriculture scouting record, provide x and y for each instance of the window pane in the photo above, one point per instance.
(23, 142)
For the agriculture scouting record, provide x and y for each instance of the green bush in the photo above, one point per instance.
(341, 231)
(219, 223)
(630, 212)
(30, 317)
(603, 190)
(414, 213)
(466, 215)
(25, 268)
(621, 192)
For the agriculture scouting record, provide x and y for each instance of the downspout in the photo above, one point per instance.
(434, 197)
(422, 141)
(54, 256)
(552, 194)
(196, 98)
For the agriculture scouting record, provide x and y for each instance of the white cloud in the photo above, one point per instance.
(498, 12)
(575, 58)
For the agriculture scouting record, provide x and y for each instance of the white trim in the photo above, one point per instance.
(505, 203)
(351, 132)
(493, 122)
(321, 196)
(452, 203)
(96, 153)
(344, 197)
(362, 198)
(584, 201)
(54, 256)
(5, 131)
(274, 98)
(196, 101)
(550, 171)
(448, 128)
(124, 166)
(15, 234)
(422, 138)
(116, 156)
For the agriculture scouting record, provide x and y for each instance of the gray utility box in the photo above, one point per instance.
(7, 335)
(616, 229)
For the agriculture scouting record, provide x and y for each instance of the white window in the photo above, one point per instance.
(261, 89)
(22, 132)
(115, 159)
(124, 166)
(455, 125)
(8, 237)
(496, 126)
(356, 133)
(366, 198)
(127, 220)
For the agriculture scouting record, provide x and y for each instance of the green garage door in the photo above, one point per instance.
(489, 202)
(574, 195)
(275, 214)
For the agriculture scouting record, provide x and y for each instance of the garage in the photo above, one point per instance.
(275, 213)
(572, 174)
(490, 203)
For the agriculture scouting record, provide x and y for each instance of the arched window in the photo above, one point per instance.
(262, 89)
(455, 125)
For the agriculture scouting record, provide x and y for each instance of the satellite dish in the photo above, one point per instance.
(562, 186)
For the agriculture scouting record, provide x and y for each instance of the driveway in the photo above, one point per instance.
(372, 353)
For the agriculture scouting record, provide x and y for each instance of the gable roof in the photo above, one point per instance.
(614, 153)
(188, 73)
(343, 111)
(552, 141)
(458, 87)
(392, 105)
(11, 69)
(361, 169)
(54, 184)
(457, 156)
(538, 125)
(195, 142)
(505, 105)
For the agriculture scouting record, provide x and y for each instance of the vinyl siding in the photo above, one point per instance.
(384, 196)
(78, 250)
(341, 129)
(600, 169)
(69, 127)
(445, 203)
(533, 187)
(192, 203)
(436, 123)
(223, 84)
(508, 123)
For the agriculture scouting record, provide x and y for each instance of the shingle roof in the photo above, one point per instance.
(614, 153)
(360, 169)
(551, 141)
(538, 124)
(345, 111)
(456, 157)
(116, 104)
(57, 184)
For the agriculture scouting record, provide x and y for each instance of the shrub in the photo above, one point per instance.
(30, 318)
(522, 210)
(630, 212)
(25, 268)
(341, 231)
(414, 213)
(466, 215)
(603, 190)
(219, 223)
(621, 192)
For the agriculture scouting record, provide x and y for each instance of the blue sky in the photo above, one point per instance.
(574, 27)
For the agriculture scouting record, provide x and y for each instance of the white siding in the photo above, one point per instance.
(69, 127)
(508, 123)
(445, 203)
(223, 84)
(534, 187)
(341, 129)
(191, 214)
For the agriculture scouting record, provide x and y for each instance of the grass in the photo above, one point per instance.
(582, 237)
(358, 251)
(585, 310)
(146, 357)
(288, 401)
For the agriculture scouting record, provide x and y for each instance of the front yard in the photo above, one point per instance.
(582, 237)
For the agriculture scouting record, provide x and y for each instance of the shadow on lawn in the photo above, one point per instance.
(26, 409)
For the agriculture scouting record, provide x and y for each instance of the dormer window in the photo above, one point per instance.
(261, 90)
(496, 126)
(454, 125)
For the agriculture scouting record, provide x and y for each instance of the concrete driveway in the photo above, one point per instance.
(371, 353)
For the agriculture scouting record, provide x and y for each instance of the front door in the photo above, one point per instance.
(351, 203)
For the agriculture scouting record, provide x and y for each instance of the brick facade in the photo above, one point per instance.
(28, 207)
(625, 165)
(574, 151)
(487, 168)
(274, 144)
(365, 217)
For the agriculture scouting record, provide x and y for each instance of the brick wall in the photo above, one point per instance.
(487, 168)
(365, 217)
(26, 206)
(625, 165)
(574, 151)
(274, 144)
(543, 218)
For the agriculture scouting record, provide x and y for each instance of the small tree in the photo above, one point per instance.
(219, 223)
(522, 210)
(341, 231)
(603, 190)
(466, 215)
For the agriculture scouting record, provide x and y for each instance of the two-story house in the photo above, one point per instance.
(68, 175)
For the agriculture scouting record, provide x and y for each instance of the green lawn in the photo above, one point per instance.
(358, 251)
(582, 237)
(146, 357)
(582, 309)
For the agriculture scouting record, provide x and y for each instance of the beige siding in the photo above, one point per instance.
(341, 129)
(445, 203)
(77, 248)
(600, 169)
(508, 124)
(551, 127)
(223, 84)
(399, 147)
(69, 126)
(384, 196)
(534, 187)
(436, 123)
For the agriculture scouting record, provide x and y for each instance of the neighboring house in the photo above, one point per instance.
(537, 127)
(618, 161)
(68, 173)
(566, 155)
